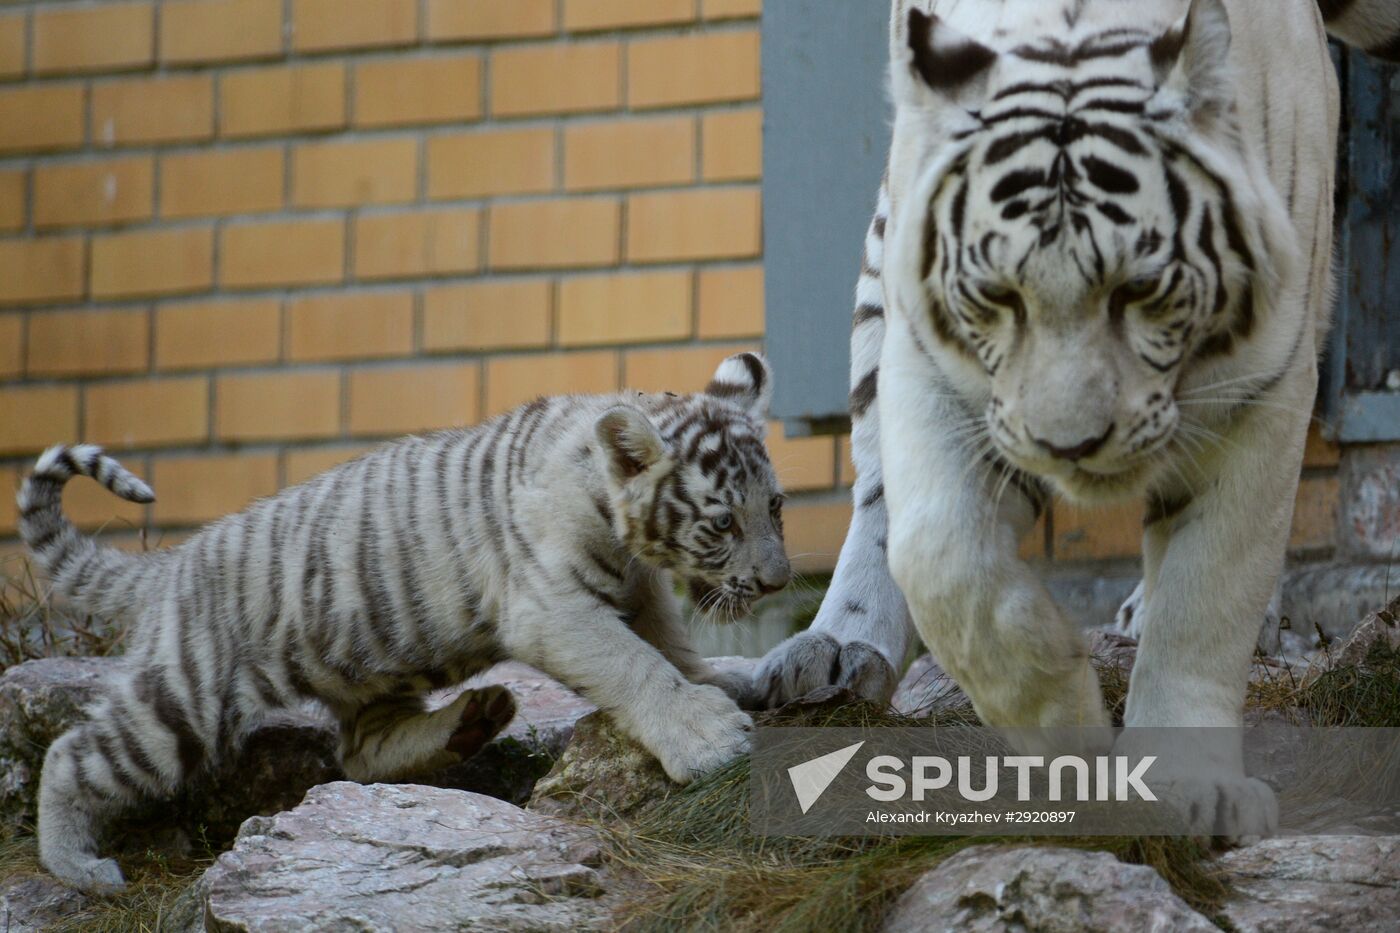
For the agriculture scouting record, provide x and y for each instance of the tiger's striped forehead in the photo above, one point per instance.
(720, 444)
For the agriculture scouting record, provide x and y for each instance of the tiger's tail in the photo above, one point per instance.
(1370, 25)
(97, 579)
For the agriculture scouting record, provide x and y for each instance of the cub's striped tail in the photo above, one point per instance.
(1372, 25)
(100, 580)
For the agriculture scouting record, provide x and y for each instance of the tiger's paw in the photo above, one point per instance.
(1231, 808)
(489, 710)
(811, 660)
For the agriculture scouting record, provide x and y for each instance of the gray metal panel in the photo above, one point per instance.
(825, 135)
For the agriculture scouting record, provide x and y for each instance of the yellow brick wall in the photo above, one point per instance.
(242, 240)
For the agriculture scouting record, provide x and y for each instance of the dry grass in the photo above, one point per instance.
(32, 625)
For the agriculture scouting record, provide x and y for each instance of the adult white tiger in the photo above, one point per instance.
(1103, 243)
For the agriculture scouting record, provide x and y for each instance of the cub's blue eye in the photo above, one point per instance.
(724, 522)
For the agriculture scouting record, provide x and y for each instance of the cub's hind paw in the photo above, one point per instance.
(489, 710)
(89, 875)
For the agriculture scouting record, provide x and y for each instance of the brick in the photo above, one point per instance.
(417, 244)
(475, 165)
(802, 462)
(11, 346)
(361, 325)
(12, 52)
(704, 224)
(108, 37)
(674, 370)
(272, 101)
(195, 490)
(92, 507)
(697, 69)
(489, 19)
(9, 511)
(350, 174)
(732, 146)
(398, 92)
(147, 413)
(94, 193)
(301, 465)
(1320, 452)
(585, 15)
(599, 309)
(731, 9)
(1033, 545)
(487, 315)
(559, 233)
(46, 269)
(279, 406)
(12, 198)
(512, 381)
(1093, 534)
(196, 31)
(406, 400)
(65, 343)
(318, 25)
(234, 181)
(555, 79)
(153, 110)
(813, 533)
(210, 334)
(731, 303)
(293, 252)
(41, 118)
(159, 262)
(33, 417)
(629, 154)
(1315, 514)
(845, 465)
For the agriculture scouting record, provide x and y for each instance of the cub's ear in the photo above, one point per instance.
(934, 63)
(1193, 59)
(630, 442)
(745, 380)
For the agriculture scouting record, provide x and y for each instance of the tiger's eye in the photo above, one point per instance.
(724, 522)
(1140, 288)
(1001, 295)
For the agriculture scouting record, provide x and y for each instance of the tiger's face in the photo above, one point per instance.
(694, 491)
(1082, 245)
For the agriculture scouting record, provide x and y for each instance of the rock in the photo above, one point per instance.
(1049, 890)
(1314, 883)
(31, 903)
(604, 773)
(38, 701)
(291, 751)
(405, 858)
(1381, 627)
(927, 690)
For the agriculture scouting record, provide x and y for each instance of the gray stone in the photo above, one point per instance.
(927, 690)
(1381, 627)
(1370, 502)
(1049, 890)
(1312, 884)
(604, 773)
(405, 858)
(31, 903)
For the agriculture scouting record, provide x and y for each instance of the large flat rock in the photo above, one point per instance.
(1315, 884)
(404, 858)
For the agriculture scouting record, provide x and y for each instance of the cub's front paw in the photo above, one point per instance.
(811, 660)
(1231, 807)
(706, 730)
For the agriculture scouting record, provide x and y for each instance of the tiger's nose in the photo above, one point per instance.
(1076, 452)
(773, 578)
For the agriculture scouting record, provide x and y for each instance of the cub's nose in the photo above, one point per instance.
(1076, 452)
(772, 579)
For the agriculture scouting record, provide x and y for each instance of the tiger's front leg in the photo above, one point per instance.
(955, 527)
(1214, 563)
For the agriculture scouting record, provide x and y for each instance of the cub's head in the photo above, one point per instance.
(693, 490)
(1078, 237)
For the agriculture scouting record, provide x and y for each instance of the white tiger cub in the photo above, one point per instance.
(1099, 268)
(548, 535)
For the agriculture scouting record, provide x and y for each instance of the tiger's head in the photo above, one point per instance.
(1080, 232)
(693, 490)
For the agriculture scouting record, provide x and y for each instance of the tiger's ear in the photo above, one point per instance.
(1192, 58)
(745, 380)
(631, 443)
(931, 57)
